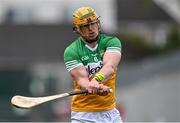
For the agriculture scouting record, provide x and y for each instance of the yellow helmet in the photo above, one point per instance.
(84, 15)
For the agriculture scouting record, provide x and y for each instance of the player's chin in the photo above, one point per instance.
(92, 38)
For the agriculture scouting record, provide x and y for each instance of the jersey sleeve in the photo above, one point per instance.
(113, 45)
(71, 59)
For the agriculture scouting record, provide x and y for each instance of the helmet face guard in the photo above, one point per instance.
(84, 16)
(90, 22)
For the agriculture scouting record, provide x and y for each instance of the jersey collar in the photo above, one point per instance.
(92, 49)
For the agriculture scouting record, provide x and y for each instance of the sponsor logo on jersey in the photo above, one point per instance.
(92, 68)
(84, 58)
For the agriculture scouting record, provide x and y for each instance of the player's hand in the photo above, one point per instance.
(93, 87)
(103, 90)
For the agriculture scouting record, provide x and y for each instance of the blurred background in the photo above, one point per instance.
(34, 34)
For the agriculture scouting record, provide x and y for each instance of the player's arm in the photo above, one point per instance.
(110, 63)
(111, 59)
(78, 71)
(80, 75)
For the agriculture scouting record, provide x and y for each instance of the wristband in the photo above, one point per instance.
(99, 76)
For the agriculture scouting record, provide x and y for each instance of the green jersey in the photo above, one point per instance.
(79, 53)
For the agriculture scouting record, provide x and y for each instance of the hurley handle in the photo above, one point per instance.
(78, 92)
(81, 92)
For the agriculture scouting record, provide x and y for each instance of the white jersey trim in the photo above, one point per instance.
(74, 66)
(92, 49)
(114, 51)
(114, 48)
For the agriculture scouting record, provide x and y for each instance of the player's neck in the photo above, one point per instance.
(92, 45)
